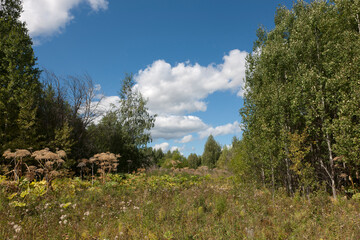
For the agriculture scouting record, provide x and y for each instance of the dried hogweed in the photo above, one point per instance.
(17, 158)
(50, 164)
(107, 162)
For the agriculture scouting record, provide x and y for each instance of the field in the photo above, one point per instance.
(170, 205)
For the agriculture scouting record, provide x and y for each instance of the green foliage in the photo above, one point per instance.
(302, 78)
(19, 85)
(298, 150)
(224, 159)
(194, 161)
(125, 130)
(133, 115)
(174, 159)
(63, 138)
(212, 151)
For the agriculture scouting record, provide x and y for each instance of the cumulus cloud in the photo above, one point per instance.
(230, 128)
(163, 146)
(172, 127)
(174, 92)
(174, 148)
(183, 88)
(104, 105)
(46, 17)
(186, 139)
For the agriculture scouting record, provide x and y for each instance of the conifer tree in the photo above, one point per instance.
(19, 85)
(212, 151)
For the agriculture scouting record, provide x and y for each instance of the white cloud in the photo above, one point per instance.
(106, 104)
(174, 148)
(182, 88)
(173, 92)
(97, 5)
(46, 17)
(172, 127)
(186, 139)
(163, 146)
(230, 128)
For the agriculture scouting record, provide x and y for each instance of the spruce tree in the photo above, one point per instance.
(211, 153)
(19, 85)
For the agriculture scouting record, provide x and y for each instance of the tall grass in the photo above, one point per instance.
(170, 206)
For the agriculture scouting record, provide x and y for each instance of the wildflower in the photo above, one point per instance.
(46, 205)
(135, 207)
(87, 213)
(17, 228)
(73, 206)
(63, 217)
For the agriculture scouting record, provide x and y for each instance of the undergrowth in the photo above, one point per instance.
(169, 206)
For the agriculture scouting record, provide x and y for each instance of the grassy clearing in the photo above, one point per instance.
(170, 206)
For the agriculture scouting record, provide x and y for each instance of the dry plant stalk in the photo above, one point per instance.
(83, 166)
(49, 164)
(17, 157)
(107, 163)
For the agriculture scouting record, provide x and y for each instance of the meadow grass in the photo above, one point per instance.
(170, 206)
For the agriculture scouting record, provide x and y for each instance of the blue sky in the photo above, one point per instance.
(188, 56)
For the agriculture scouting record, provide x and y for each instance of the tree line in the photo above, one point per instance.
(301, 115)
(39, 109)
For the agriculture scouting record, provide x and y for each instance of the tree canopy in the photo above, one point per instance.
(302, 94)
(19, 84)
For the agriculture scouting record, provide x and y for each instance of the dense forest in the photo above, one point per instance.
(301, 114)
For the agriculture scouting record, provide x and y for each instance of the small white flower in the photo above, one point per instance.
(17, 228)
(63, 217)
(73, 206)
(87, 213)
(135, 207)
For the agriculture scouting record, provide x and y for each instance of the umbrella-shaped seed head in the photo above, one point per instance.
(20, 153)
(61, 153)
(81, 164)
(8, 154)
